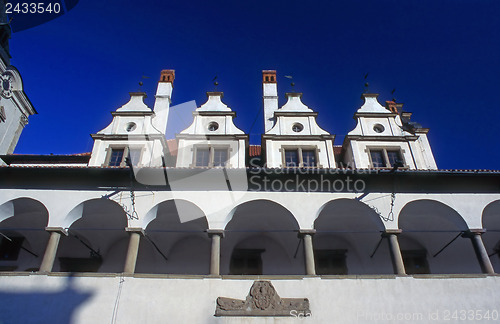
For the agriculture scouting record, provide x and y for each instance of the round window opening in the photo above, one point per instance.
(130, 127)
(378, 128)
(297, 127)
(213, 126)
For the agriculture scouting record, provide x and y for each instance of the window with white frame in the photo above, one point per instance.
(385, 157)
(211, 156)
(300, 157)
(117, 156)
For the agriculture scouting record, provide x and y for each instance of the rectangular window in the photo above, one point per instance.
(300, 157)
(246, 262)
(309, 158)
(330, 262)
(220, 157)
(292, 158)
(386, 158)
(116, 157)
(202, 157)
(377, 158)
(9, 249)
(394, 157)
(415, 261)
(211, 157)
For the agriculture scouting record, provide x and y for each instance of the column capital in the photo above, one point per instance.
(388, 232)
(59, 230)
(473, 231)
(303, 232)
(211, 232)
(139, 230)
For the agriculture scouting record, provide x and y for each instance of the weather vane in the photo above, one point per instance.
(142, 83)
(215, 83)
(366, 83)
(392, 93)
(291, 83)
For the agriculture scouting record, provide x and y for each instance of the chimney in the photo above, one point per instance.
(270, 98)
(163, 99)
(391, 105)
(167, 76)
(394, 107)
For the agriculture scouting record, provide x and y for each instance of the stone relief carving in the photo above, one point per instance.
(262, 300)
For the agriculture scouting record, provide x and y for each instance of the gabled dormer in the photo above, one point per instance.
(296, 140)
(212, 140)
(385, 138)
(136, 131)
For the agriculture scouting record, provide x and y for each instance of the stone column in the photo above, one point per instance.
(51, 250)
(215, 235)
(481, 254)
(307, 235)
(133, 248)
(396, 257)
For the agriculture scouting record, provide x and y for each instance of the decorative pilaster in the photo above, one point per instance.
(133, 248)
(215, 235)
(481, 254)
(306, 235)
(396, 257)
(51, 249)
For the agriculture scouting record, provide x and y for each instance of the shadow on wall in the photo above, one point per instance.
(41, 307)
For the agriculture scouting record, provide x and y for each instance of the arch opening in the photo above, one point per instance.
(91, 242)
(173, 245)
(348, 240)
(261, 238)
(22, 234)
(491, 238)
(432, 241)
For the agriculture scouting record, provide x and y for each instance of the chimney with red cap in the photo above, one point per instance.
(270, 98)
(163, 99)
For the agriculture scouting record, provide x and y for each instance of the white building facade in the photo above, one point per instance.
(15, 107)
(194, 230)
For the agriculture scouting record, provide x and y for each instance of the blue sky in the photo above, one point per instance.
(442, 57)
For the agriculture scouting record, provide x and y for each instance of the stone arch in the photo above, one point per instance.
(431, 214)
(432, 225)
(491, 238)
(262, 230)
(347, 234)
(94, 228)
(184, 209)
(22, 234)
(175, 240)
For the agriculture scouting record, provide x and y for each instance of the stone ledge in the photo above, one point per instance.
(243, 277)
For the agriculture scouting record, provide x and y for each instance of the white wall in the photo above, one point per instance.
(115, 299)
